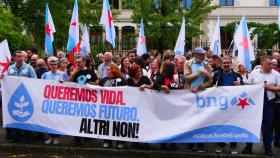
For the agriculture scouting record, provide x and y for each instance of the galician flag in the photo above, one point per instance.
(107, 21)
(85, 46)
(141, 46)
(215, 45)
(180, 44)
(5, 56)
(244, 45)
(73, 39)
(49, 31)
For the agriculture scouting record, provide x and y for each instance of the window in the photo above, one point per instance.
(128, 4)
(187, 4)
(227, 2)
(273, 2)
(226, 37)
(113, 3)
(96, 34)
(128, 37)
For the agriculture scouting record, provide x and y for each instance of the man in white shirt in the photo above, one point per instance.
(271, 80)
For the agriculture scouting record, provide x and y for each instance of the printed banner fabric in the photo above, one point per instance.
(223, 114)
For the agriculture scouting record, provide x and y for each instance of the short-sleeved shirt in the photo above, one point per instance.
(259, 77)
(102, 69)
(195, 68)
(227, 79)
(24, 71)
(143, 80)
(60, 75)
(85, 76)
(113, 82)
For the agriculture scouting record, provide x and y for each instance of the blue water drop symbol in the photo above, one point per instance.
(20, 106)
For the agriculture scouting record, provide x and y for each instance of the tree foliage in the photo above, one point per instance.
(163, 24)
(10, 28)
(268, 34)
(32, 14)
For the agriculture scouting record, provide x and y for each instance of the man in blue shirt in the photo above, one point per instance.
(227, 77)
(20, 69)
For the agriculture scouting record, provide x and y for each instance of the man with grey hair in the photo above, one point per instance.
(102, 68)
(56, 75)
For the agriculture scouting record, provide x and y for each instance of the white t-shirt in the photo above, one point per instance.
(258, 77)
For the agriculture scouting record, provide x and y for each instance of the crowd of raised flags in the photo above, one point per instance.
(241, 42)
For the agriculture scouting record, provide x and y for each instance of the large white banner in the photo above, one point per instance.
(223, 114)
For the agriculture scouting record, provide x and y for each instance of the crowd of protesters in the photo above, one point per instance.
(196, 71)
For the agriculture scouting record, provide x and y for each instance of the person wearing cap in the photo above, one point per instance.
(197, 72)
(198, 77)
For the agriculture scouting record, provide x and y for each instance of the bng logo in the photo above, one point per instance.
(20, 106)
(223, 102)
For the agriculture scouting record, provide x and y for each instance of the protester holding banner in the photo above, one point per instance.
(227, 77)
(167, 82)
(197, 72)
(271, 80)
(82, 75)
(56, 75)
(198, 77)
(113, 79)
(20, 69)
(137, 79)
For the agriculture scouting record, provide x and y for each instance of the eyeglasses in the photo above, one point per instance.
(52, 64)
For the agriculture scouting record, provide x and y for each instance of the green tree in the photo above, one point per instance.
(162, 24)
(268, 34)
(32, 14)
(10, 29)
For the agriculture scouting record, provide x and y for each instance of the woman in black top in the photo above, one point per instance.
(166, 79)
(113, 79)
(137, 79)
(166, 82)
